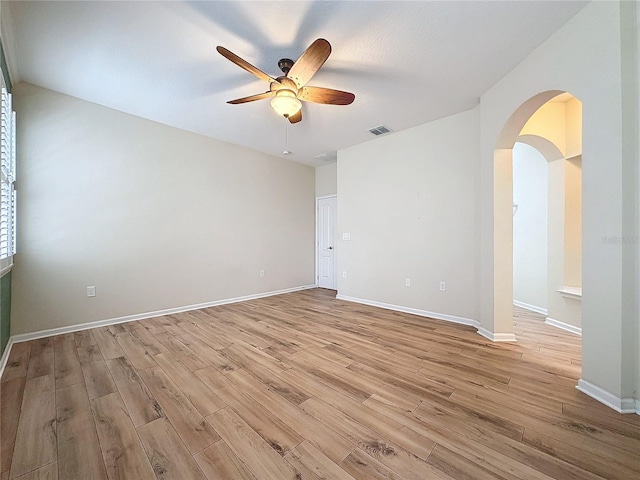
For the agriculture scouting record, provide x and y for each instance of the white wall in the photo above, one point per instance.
(573, 222)
(408, 201)
(530, 192)
(327, 180)
(153, 216)
(583, 58)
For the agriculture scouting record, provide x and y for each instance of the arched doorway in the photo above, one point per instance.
(558, 137)
(548, 156)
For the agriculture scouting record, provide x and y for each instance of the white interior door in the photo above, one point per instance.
(327, 242)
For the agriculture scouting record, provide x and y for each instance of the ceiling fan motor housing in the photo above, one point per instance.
(285, 65)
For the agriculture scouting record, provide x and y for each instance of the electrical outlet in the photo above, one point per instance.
(91, 291)
(261, 273)
(344, 274)
(407, 282)
(443, 286)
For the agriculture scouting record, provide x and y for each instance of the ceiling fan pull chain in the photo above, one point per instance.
(286, 151)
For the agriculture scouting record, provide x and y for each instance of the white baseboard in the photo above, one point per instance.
(497, 337)
(564, 326)
(25, 337)
(414, 311)
(494, 337)
(620, 405)
(533, 308)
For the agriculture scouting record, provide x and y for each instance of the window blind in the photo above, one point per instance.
(8, 171)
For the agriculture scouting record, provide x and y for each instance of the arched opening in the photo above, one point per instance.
(551, 123)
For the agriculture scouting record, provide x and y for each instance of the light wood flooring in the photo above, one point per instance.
(304, 386)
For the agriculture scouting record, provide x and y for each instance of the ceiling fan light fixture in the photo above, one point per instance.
(286, 103)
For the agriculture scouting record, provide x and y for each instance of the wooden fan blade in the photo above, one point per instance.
(326, 95)
(310, 62)
(252, 98)
(296, 118)
(244, 64)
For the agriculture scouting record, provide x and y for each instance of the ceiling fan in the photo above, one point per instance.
(287, 90)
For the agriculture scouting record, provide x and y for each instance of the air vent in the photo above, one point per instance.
(381, 130)
(327, 157)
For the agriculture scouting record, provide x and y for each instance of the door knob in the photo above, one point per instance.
(330, 248)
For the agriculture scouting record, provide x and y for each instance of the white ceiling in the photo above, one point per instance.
(407, 62)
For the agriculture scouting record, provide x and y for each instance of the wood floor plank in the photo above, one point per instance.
(386, 452)
(497, 462)
(256, 355)
(404, 384)
(181, 351)
(275, 383)
(313, 464)
(413, 442)
(457, 466)
(407, 381)
(434, 407)
(251, 447)
(48, 472)
(84, 338)
(67, 364)
(109, 346)
(334, 357)
(514, 450)
(145, 339)
(597, 462)
(36, 437)
(151, 325)
(218, 461)
(89, 354)
(333, 377)
(206, 335)
(200, 396)
(208, 354)
(98, 379)
(18, 361)
(129, 344)
(364, 467)
(232, 322)
(70, 401)
(169, 458)
(276, 433)
(589, 434)
(333, 445)
(194, 431)
(79, 454)
(139, 401)
(364, 385)
(619, 426)
(41, 358)
(11, 393)
(122, 453)
(142, 362)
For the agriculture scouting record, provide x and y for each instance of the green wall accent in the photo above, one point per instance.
(5, 311)
(5, 282)
(5, 69)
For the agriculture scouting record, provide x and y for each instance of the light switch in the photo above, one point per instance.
(346, 236)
